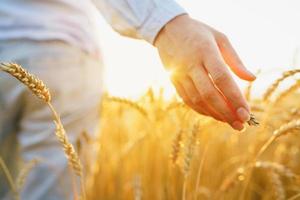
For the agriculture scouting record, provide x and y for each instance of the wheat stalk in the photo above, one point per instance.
(68, 149)
(129, 103)
(275, 85)
(200, 170)
(291, 89)
(296, 196)
(9, 179)
(278, 192)
(277, 168)
(189, 152)
(24, 173)
(282, 130)
(42, 92)
(231, 181)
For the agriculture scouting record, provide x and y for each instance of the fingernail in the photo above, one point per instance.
(252, 74)
(237, 125)
(243, 114)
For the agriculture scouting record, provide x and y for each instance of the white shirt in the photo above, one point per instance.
(73, 21)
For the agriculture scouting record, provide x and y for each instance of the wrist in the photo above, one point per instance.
(172, 25)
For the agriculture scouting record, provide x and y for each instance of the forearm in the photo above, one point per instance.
(140, 19)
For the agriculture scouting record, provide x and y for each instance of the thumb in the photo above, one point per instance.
(234, 62)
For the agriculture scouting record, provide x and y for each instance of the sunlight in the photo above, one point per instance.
(133, 66)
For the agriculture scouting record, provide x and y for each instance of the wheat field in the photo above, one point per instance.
(158, 149)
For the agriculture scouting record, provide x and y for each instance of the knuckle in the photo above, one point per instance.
(236, 99)
(220, 78)
(229, 117)
(235, 96)
(208, 95)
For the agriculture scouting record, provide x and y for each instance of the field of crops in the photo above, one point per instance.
(157, 149)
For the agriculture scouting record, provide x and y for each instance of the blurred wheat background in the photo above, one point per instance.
(159, 149)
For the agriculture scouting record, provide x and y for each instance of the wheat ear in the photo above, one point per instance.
(176, 147)
(32, 82)
(277, 168)
(252, 121)
(137, 188)
(175, 105)
(68, 149)
(189, 152)
(278, 192)
(290, 90)
(296, 196)
(42, 92)
(275, 85)
(129, 103)
(282, 130)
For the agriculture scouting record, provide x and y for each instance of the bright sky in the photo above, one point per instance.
(265, 33)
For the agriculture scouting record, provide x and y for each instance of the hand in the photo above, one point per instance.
(198, 57)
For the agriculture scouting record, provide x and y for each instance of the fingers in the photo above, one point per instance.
(222, 79)
(213, 97)
(191, 97)
(232, 59)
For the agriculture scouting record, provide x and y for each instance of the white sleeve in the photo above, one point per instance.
(141, 19)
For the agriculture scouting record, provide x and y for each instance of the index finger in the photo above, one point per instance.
(221, 77)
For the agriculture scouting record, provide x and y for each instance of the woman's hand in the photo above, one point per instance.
(198, 57)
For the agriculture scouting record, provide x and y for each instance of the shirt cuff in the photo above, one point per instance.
(165, 11)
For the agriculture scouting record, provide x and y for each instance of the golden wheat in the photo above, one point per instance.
(32, 82)
(41, 91)
(176, 147)
(277, 189)
(129, 103)
(68, 149)
(285, 93)
(277, 168)
(252, 121)
(10, 179)
(24, 173)
(189, 149)
(277, 82)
